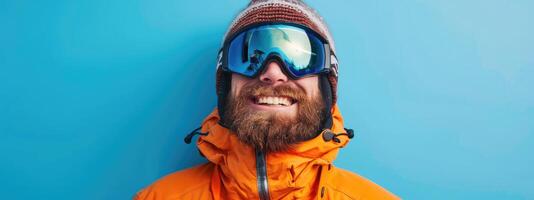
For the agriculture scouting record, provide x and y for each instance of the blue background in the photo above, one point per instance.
(96, 96)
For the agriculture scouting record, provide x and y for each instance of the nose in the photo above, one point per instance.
(273, 74)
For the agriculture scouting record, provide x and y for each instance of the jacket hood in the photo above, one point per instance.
(291, 171)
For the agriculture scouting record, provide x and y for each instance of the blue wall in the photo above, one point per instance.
(96, 96)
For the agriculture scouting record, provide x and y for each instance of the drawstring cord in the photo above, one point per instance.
(189, 136)
(349, 133)
(329, 135)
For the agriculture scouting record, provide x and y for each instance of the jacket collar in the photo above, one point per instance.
(289, 171)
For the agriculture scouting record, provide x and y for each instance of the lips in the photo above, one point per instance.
(274, 100)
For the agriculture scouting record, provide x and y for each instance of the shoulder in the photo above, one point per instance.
(354, 186)
(195, 180)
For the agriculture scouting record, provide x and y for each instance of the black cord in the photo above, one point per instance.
(189, 136)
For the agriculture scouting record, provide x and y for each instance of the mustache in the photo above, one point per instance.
(258, 89)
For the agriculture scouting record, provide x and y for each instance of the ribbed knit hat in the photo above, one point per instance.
(287, 11)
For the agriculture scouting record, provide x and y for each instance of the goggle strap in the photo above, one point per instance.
(219, 59)
(333, 65)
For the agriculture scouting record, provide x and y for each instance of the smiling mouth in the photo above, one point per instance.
(274, 100)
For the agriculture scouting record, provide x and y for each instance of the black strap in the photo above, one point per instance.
(326, 90)
(222, 92)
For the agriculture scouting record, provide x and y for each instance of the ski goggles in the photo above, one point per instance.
(301, 51)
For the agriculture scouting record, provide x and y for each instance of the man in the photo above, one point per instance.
(277, 128)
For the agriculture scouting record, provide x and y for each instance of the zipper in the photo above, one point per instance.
(261, 173)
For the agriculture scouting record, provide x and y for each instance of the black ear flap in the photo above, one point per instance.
(326, 90)
(225, 81)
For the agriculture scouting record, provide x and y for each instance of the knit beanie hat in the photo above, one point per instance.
(285, 11)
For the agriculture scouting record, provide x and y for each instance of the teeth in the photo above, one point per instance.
(274, 101)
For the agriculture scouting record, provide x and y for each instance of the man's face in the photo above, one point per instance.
(273, 76)
(272, 111)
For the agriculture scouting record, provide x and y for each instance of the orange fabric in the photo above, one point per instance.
(303, 172)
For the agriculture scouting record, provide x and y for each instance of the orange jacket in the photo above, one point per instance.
(303, 172)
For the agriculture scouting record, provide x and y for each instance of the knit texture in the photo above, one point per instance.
(295, 11)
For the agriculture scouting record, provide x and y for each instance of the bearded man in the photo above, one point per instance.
(277, 128)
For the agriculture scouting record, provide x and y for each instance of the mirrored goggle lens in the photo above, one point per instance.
(302, 52)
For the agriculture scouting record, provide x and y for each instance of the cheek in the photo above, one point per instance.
(310, 85)
(236, 84)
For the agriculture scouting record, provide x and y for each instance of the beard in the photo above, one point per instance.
(272, 131)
